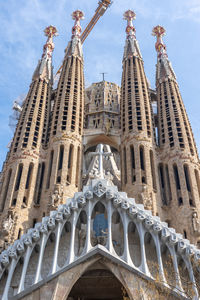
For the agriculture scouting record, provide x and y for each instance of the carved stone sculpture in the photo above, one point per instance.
(195, 222)
(7, 224)
(55, 198)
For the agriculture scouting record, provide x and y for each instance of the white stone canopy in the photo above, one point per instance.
(128, 233)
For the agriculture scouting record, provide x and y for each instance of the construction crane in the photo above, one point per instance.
(99, 12)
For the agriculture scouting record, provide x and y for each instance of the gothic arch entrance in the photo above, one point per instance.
(98, 284)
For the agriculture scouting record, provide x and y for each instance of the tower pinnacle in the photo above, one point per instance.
(76, 29)
(159, 31)
(129, 15)
(48, 48)
(44, 67)
(164, 67)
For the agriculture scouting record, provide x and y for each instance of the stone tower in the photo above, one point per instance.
(178, 158)
(26, 157)
(137, 131)
(64, 139)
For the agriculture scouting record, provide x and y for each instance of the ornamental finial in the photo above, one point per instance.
(50, 32)
(77, 16)
(129, 15)
(159, 31)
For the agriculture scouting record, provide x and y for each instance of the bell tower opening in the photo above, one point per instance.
(98, 284)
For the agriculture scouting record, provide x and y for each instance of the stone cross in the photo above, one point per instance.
(100, 154)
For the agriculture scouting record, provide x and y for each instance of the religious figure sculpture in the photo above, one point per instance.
(55, 197)
(145, 198)
(7, 224)
(195, 222)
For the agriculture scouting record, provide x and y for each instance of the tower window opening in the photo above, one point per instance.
(60, 162)
(40, 183)
(77, 166)
(25, 201)
(187, 178)
(29, 175)
(34, 222)
(19, 175)
(162, 183)
(197, 180)
(6, 188)
(70, 159)
(168, 183)
(125, 167)
(185, 234)
(176, 177)
(132, 153)
(142, 158)
(153, 170)
(180, 201)
(50, 169)
(14, 202)
(19, 233)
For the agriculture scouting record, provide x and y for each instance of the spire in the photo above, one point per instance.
(44, 67)
(129, 15)
(75, 45)
(131, 46)
(76, 29)
(164, 67)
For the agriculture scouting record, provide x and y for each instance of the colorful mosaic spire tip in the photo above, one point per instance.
(76, 29)
(129, 15)
(159, 32)
(50, 31)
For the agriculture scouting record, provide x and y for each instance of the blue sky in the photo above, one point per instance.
(21, 35)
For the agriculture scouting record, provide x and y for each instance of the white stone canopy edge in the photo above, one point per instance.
(129, 211)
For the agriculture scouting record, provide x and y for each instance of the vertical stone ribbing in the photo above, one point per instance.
(26, 152)
(137, 139)
(65, 137)
(179, 162)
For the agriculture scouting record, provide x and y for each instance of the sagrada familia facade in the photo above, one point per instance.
(100, 190)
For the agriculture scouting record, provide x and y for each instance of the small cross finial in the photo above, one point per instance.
(129, 15)
(77, 16)
(103, 74)
(159, 32)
